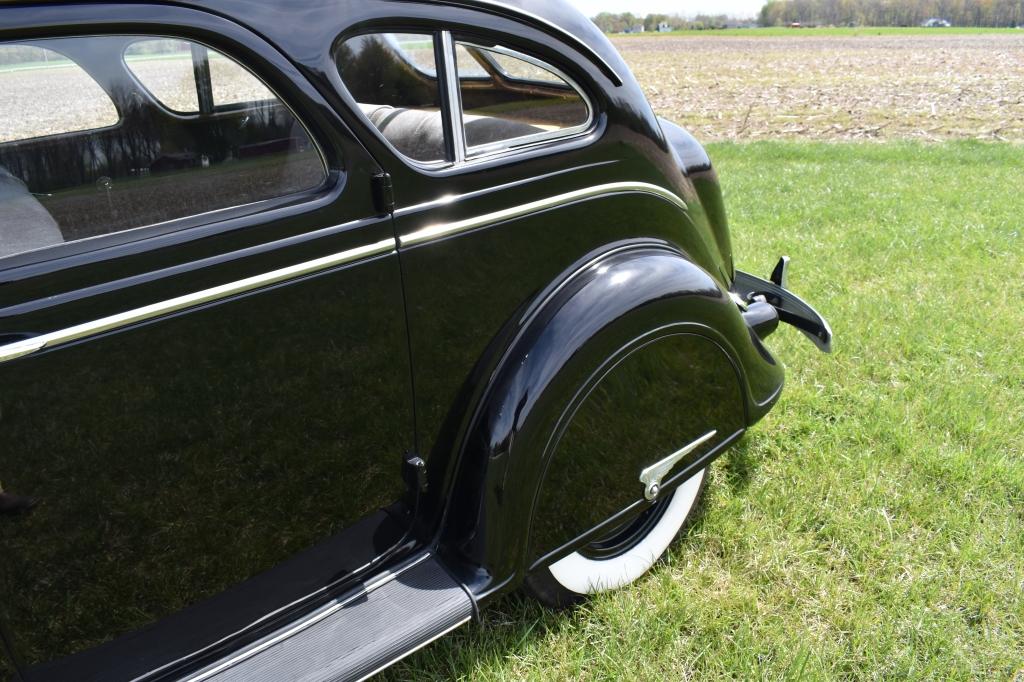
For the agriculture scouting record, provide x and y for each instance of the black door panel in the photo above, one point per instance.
(176, 459)
(208, 472)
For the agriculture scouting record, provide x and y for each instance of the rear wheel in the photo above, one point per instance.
(621, 556)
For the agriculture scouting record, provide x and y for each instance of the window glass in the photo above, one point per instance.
(469, 67)
(164, 67)
(167, 68)
(505, 108)
(232, 84)
(74, 103)
(393, 78)
(96, 173)
(523, 70)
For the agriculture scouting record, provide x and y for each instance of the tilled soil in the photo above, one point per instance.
(930, 87)
(906, 87)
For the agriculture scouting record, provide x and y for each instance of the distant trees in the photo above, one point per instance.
(616, 23)
(619, 23)
(890, 13)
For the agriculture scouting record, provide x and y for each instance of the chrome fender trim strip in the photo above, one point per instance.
(447, 229)
(105, 324)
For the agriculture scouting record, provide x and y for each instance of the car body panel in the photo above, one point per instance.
(505, 306)
(179, 454)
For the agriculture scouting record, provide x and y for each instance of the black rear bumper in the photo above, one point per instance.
(755, 294)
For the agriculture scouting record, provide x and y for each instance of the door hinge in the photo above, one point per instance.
(383, 193)
(415, 473)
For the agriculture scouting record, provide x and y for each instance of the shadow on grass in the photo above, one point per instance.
(514, 625)
(736, 466)
(510, 627)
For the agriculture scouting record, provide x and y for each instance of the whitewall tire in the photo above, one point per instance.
(581, 573)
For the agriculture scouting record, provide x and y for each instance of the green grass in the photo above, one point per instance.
(776, 31)
(871, 526)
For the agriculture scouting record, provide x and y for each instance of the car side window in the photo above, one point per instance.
(102, 134)
(520, 99)
(441, 101)
(394, 79)
(25, 114)
(165, 67)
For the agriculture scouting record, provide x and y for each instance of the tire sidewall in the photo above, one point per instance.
(576, 576)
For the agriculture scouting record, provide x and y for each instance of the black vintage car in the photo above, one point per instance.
(324, 323)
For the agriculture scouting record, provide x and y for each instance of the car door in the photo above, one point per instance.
(204, 374)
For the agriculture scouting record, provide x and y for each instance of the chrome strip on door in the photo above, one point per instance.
(112, 322)
(446, 229)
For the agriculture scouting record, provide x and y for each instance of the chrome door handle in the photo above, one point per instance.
(651, 476)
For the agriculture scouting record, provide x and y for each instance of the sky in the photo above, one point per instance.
(686, 8)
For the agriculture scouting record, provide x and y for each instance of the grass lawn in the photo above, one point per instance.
(775, 31)
(873, 524)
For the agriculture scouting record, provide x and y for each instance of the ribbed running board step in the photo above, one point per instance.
(358, 634)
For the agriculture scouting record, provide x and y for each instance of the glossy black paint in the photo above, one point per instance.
(516, 337)
(606, 307)
(155, 452)
(663, 390)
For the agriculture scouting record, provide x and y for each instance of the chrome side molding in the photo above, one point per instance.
(651, 476)
(35, 344)
(85, 330)
(447, 229)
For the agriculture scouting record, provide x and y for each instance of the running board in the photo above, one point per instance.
(358, 634)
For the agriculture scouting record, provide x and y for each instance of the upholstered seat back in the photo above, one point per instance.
(24, 224)
(419, 133)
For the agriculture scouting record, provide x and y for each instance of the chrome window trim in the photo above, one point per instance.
(516, 142)
(439, 231)
(453, 86)
(102, 325)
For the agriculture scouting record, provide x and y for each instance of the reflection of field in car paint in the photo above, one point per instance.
(192, 475)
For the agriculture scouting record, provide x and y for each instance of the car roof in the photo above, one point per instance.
(558, 18)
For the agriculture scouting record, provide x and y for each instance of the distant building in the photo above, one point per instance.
(639, 28)
(936, 22)
(664, 27)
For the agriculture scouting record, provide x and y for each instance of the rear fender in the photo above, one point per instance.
(598, 312)
(695, 164)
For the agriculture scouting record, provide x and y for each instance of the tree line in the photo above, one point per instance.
(999, 13)
(610, 22)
